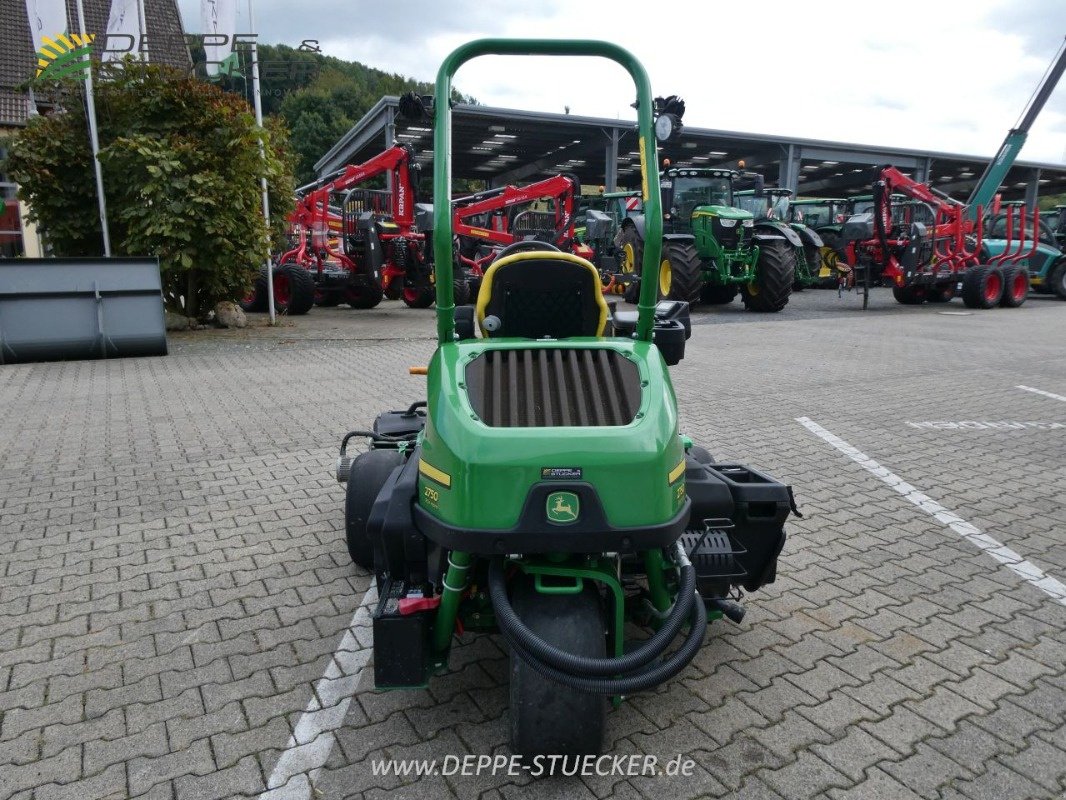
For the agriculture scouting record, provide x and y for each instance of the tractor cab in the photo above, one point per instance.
(818, 212)
(773, 203)
(688, 190)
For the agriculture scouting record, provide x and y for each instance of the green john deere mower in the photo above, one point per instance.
(544, 492)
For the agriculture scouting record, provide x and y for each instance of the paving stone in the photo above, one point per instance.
(807, 776)
(172, 569)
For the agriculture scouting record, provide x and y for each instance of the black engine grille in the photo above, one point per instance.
(727, 237)
(553, 387)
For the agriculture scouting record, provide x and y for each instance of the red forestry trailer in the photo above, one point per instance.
(487, 222)
(367, 248)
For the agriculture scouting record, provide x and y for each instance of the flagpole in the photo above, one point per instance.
(258, 104)
(93, 138)
(143, 25)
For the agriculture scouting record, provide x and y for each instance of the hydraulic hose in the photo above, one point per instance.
(628, 684)
(516, 632)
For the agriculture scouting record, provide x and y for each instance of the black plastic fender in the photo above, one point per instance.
(636, 221)
(808, 236)
(780, 229)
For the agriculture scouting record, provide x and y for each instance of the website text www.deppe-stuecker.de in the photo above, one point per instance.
(537, 766)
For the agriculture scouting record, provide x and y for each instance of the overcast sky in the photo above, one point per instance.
(910, 73)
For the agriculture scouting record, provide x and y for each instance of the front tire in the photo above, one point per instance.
(774, 274)
(301, 290)
(679, 273)
(547, 717)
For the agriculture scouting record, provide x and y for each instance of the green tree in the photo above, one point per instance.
(182, 169)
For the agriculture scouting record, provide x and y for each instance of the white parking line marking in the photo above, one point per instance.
(1052, 395)
(312, 741)
(997, 550)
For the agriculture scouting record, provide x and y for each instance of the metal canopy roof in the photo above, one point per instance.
(500, 145)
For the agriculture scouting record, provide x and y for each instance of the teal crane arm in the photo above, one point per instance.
(999, 166)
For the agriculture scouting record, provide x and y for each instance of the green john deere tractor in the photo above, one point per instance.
(825, 216)
(771, 211)
(711, 248)
(545, 491)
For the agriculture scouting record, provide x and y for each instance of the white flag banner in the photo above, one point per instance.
(123, 24)
(48, 18)
(218, 18)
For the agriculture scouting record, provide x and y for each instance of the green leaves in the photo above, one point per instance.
(182, 171)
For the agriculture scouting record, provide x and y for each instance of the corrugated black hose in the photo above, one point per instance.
(591, 674)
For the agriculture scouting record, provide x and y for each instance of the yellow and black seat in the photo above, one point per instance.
(541, 294)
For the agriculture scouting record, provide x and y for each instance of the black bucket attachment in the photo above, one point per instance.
(74, 308)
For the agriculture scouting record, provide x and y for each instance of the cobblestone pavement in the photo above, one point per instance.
(174, 584)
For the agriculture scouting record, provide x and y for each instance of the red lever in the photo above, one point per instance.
(412, 605)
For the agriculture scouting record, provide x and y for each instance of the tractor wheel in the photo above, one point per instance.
(712, 295)
(547, 717)
(299, 287)
(1057, 279)
(701, 454)
(256, 300)
(327, 298)
(419, 297)
(943, 293)
(909, 295)
(461, 290)
(982, 286)
(630, 248)
(1015, 286)
(679, 273)
(368, 474)
(773, 278)
(363, 296)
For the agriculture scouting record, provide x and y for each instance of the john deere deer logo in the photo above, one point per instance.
(563, 507)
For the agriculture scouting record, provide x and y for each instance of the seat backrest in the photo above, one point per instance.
(542, 294)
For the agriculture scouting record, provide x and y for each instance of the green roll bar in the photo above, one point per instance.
(442, 166)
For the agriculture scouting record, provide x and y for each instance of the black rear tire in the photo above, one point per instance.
(630, 249)
(363, 296)
(909, 295)
(257, 301)
(461, 290)
(701, 454)
(368, 474)
(774, 274)
(422, 297)
(1057, 279)
(685, 271)
(301, 290)
(547, 717)
(327, 298)
(943, 293)
(979, 286)
(1015, 286)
